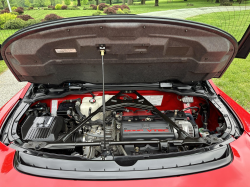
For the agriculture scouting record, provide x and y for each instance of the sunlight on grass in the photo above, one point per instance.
(3, 66)
(235, 22)
(235, 82)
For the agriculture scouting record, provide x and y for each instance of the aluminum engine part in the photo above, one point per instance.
(186, 126)
(96, 133)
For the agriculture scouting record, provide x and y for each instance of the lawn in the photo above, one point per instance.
(3, 66)
(234, 22)
(235, 81)
(135, 9)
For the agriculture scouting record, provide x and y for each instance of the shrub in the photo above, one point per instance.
(96, 13)
(226, 4)
(13, 8)
(25, 17)
(67, 2)
(84, 8)
(190, 4)
(52, 7)
(51, 17)
(46, 8)
(19, 10)
(102, 6)
(64, 7)
(90, 8)
(74, 8)
(31, 8)
(58, 7)
(109, 11)
(4, 11)
(15, 13)
(7, 9)
(94, 7)
(14, 24)
(126, 11)
(125, 7)
(31, 22)
(6, 17)
(116, 7)
(119, 11)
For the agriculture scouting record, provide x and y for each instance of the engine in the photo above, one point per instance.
(128, 131)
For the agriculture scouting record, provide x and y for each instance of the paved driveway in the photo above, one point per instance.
(190, 12)
(9, 86)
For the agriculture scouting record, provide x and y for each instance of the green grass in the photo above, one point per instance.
(3, 66)
(235, 81)
(234, 23)
(4, 34)
(40, 14)
(135, 9)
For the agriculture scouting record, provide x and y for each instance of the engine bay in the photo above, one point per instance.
(136, 123)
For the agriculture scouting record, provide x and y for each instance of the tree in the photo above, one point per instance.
(143, 2)
(20, 3)
(156, 2)
(27, 3)
(67, 2)
(3, 3)
(130, 2)
(78, 2)
(84, 2)
(42, 3)
(52, 2)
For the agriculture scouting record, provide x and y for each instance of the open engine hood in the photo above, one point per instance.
(138, 49)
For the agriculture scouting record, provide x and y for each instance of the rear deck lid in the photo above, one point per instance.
(138, 49)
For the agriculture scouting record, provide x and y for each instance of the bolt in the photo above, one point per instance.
(186, 30)
(137, 149)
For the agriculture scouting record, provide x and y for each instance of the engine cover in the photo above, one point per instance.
(148, 130)
(44, 128)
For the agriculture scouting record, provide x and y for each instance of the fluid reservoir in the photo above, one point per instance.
(88, 106)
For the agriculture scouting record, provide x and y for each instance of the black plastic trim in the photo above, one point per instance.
(244, 45)
(110, 170)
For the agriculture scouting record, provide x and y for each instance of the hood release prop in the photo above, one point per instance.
(102, 50)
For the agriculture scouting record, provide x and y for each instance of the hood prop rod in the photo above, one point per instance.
(102, 50)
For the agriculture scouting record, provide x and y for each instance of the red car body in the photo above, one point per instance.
(234, 174)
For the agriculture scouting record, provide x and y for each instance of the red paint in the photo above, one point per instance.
(235, 174)
(159, 130)
(242, 114)
(4, 111)
(149, 130)
(217, 91)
